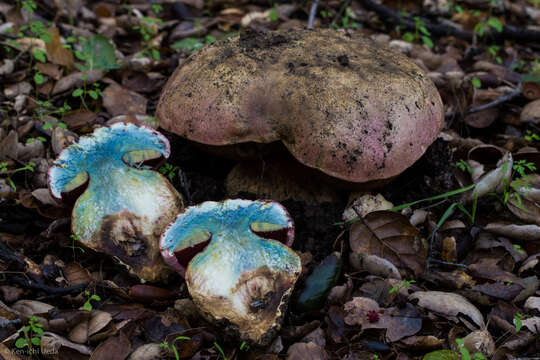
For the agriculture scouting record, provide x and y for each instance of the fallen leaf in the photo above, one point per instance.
(98, 321)
(399, 323)
(532, 324)
(522, 232)
(150, 351)
(31, 307)
(426, 342)
(390, 236)
(119, 101)
(533, 302)
(114, 348)
(76, 80)
(52, 344)
(306, 351)
(56, 53)
(449, 305)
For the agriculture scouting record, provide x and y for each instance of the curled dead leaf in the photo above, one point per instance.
(529, 232)
(449, 305)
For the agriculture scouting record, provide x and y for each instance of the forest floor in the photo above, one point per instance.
(470, 289)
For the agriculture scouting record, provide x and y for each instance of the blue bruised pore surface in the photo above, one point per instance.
(233, 244)
(98, 154)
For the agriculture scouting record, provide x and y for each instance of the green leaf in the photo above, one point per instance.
(188, 44)
(427, 41)
(424, 31)
(20, 343)
(87, 306)
(93, 94)
(77, 92)
(61, 125)
(273, 15)
(409, 37)
(36, 341)
(98, 53)
(38, 78)
(479, 29)
(495, 23)
(319, 283)
(210, 39)
(39, 55)
(476, 82)
(155, 54)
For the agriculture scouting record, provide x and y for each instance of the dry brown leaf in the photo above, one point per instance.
(529, 232)
(530, 263)
(306, 351)
(150, 351)
(7, 354)
(114, 348)
(51, 70)
(31, 307)
(398, 323)
(75, 80)
(390, 236)
(531, 112)
(533, 302)
(532, 324)
(119, 101)
(56, 53)
(479, 342)
(362, 204)
(98, 321)
(374, 265)
(79, 334)
(75, 274)
(488, 268)
(424, 343)
(52, 344)
(449, 305)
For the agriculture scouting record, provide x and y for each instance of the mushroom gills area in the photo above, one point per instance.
(198, 242)
(271, 231)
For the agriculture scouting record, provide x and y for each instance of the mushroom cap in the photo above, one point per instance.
(244, 272)
(121, 205)
(339, 102)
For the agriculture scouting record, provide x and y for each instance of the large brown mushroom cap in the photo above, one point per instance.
(340, 103)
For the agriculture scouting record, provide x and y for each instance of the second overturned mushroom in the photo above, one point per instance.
(121, 204)
(237, 263)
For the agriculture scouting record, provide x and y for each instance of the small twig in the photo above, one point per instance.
(497, 101)
(489, 105)
(508, 32)
(431, 260)
(312, 13)
(48, 289)
(340, 13)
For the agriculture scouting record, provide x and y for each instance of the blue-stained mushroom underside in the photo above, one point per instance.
(236, 260)
(121, 204)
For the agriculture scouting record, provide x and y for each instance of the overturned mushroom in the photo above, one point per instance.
(237, 262)
(121, 204)
(339, 103)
